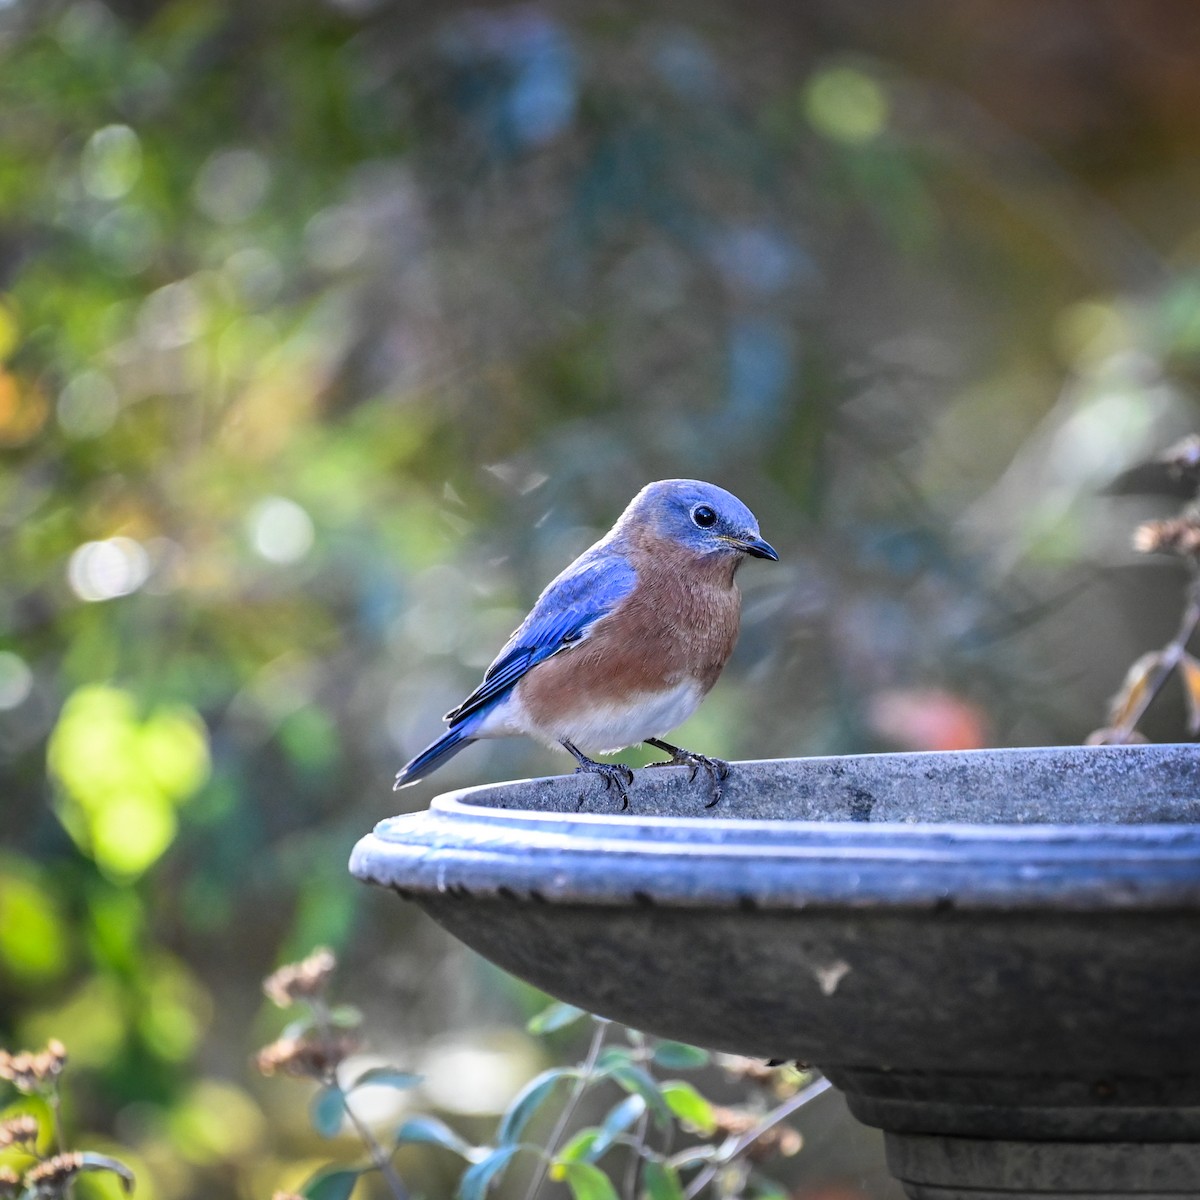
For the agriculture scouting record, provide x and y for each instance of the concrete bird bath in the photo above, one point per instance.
(994, 954)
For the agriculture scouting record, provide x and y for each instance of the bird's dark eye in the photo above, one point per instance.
(704, 516)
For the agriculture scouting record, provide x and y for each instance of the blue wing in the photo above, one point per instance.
(590, 588)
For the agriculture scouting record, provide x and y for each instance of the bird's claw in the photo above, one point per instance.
(717, 769)
(614, 775)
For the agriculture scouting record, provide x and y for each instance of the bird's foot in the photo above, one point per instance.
(613, 774)
(717, 769)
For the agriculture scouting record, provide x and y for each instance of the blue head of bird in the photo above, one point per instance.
(700, 516)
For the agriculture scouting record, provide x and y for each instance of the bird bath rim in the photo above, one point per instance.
(478, 841)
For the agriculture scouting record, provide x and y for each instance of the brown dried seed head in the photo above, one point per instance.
(1176, 535)
(735, 1121)
(18, 1131)
(791, 1141)
(311, 1056)
(15, 1067)
(301, 980)
(30, 1072)
(780, 1079)
(779, 1139)
(54, 1171)
(753, 1069)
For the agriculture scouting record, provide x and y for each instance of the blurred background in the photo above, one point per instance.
(330, 330)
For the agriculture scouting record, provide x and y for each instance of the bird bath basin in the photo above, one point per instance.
(994, 954)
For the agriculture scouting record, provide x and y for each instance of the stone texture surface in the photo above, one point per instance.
(987, 951)
(947, 1167)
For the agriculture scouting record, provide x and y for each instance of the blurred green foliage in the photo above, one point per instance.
(331, 329)
(122, 777)
(543, 1134)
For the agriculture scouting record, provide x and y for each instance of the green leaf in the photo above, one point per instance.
(678, 1056)
(612, 1057)
(101, 1162)
(591, 1144)
(661, 1181)
(587, 1182)
(327, 1110)
(580, 1146)
(477, 1179)
(618, 1120)
(386, 1077)
(528, 1100)
(434, 1132)
(557, 1016)
(637, 1080)
(331, 1185)
(689, 1106)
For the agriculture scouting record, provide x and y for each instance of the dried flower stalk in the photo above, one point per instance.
(304, 980)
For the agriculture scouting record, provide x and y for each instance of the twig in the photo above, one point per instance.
(395, 1184)
(634, 1170)
(564, 1118)
(378, 1157)
(56, 1119)
(743, 1143)
(1168, 659)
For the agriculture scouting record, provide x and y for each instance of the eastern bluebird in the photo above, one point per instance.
(625, 643)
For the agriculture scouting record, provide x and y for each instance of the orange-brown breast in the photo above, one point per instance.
(680, 623)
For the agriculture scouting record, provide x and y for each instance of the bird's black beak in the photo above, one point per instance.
(756, 547)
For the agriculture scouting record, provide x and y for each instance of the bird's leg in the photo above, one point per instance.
(613, 774)
(717, 769)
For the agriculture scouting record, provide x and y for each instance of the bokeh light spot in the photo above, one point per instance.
(16, 680)
(336, 238)
(131, 832)
(175, 1009)
(10, 331)
(23, 411)
(231, 185)
(122, 777)
(280, 530)
(111, 163)
(127, 238)
(88, 405)
(87, 28)
(255, 274)
(33, 944)
(95, 1015)
(215, 1122)
(846, 105)
(174, 750)
(172, 316)
(927, 719)
(108, 569)
(477, 1071)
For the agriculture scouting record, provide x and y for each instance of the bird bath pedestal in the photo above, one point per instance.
(995, 955)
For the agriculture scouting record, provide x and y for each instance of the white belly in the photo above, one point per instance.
(604, 728)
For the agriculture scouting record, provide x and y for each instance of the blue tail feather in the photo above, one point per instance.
(432, 757)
